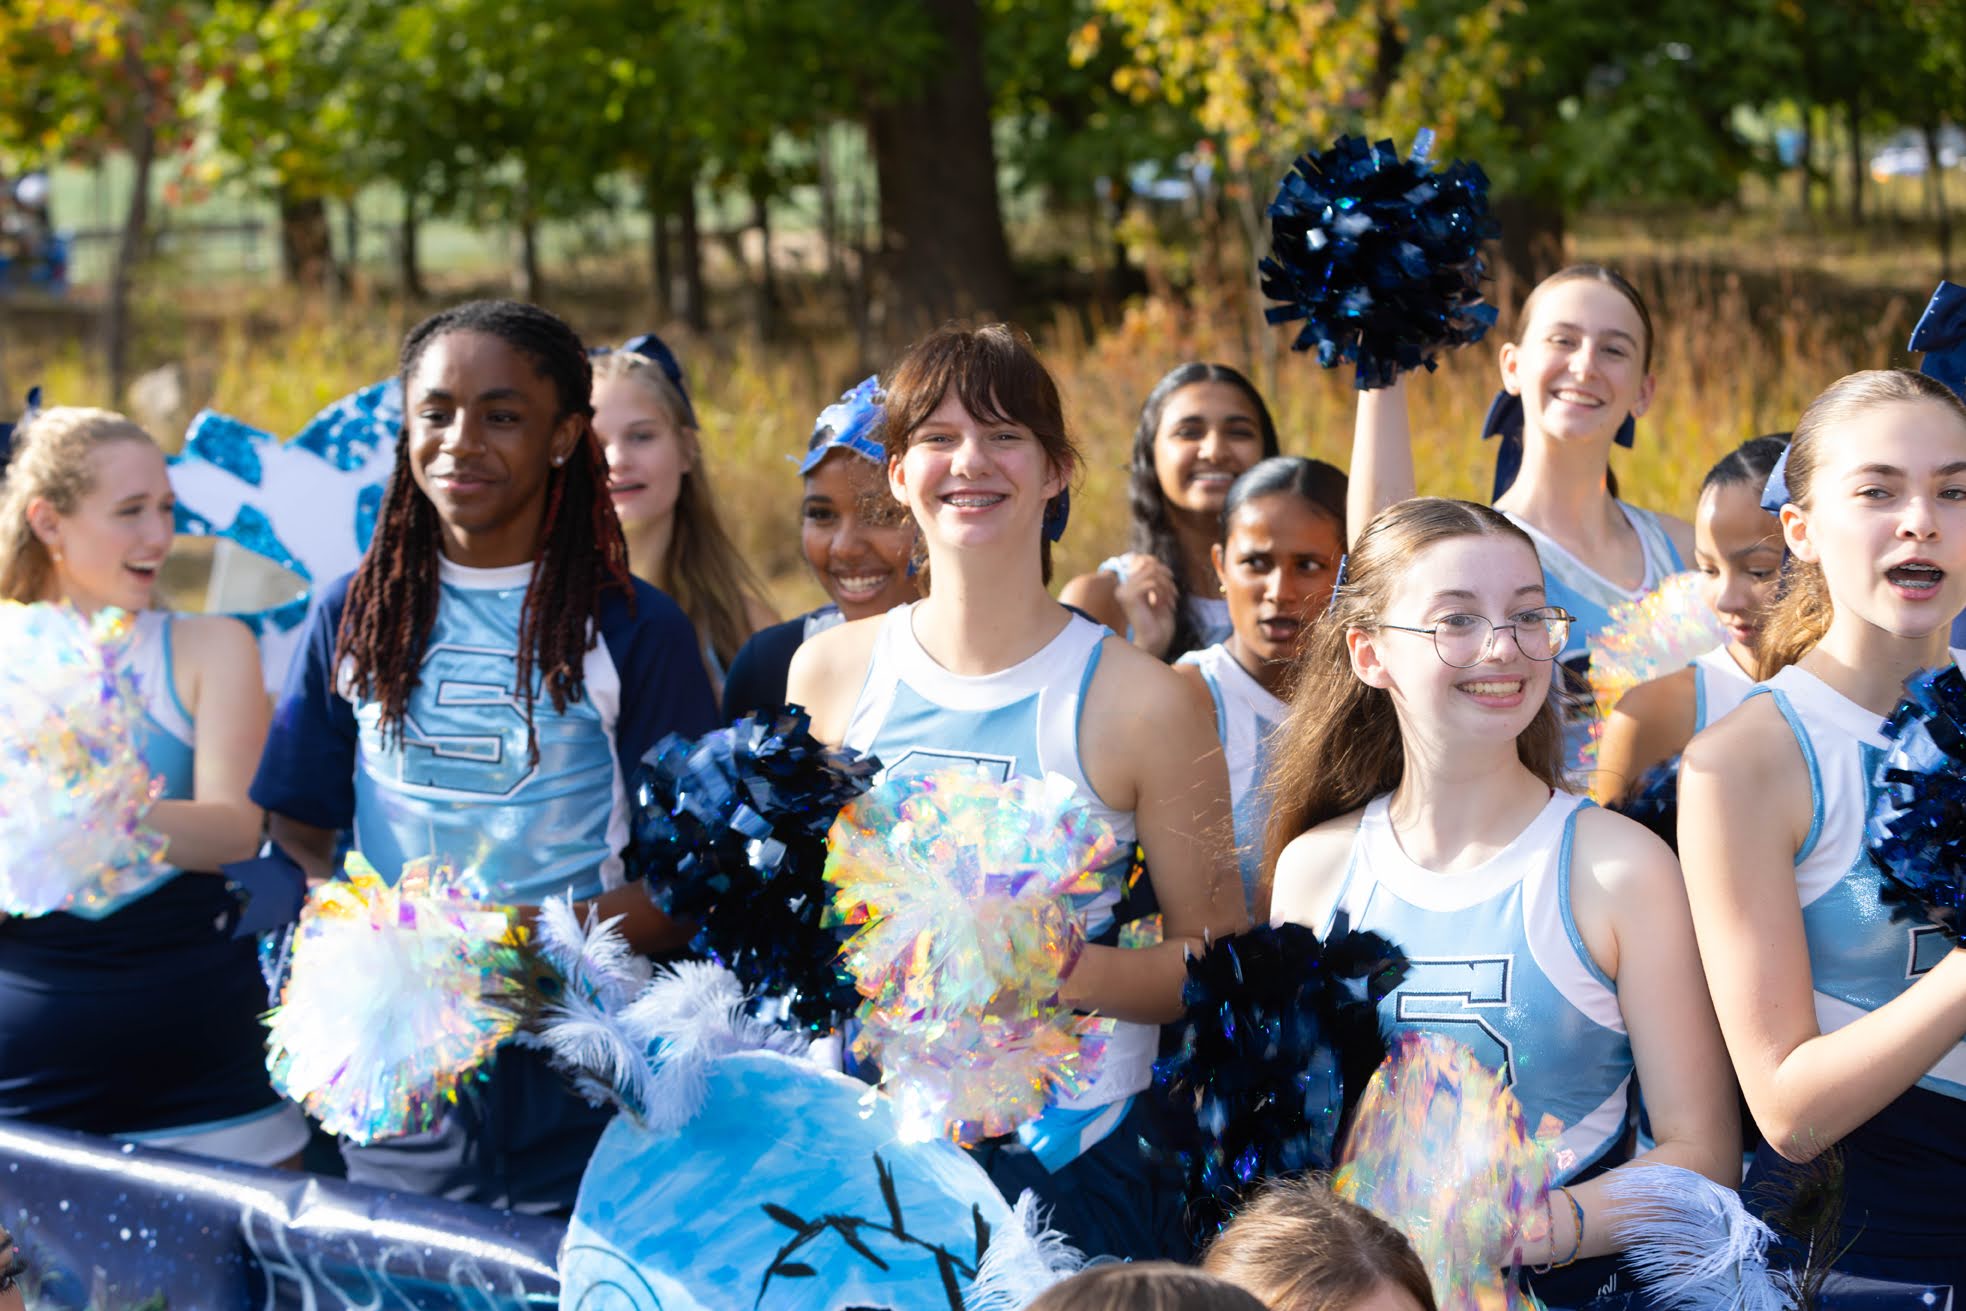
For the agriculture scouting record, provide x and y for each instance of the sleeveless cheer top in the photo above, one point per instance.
(1246, 714)
(1495, 962)
(1719, 685)
(1022, 722)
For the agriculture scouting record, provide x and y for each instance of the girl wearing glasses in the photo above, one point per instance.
(988, 670)
(1418, 792)
(1283, 532)
(1847, 1025)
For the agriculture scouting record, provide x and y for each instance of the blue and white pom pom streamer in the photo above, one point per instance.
(1917, 830)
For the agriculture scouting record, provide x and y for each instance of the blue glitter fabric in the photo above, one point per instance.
(1281, 1036)
(1941, 334)
(1917, 830)
(7, 429)
(730, 831)
(1380, 256)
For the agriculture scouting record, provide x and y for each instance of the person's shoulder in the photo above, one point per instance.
(1669, 696)
(1746, 743)
(841, 650)
(1309, 868)
(212, 637)
(1146, 677)
(641, 610)
(1090, 591)
(1621, 854)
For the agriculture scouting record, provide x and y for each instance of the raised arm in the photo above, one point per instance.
(1744, 810)
(1382, 457)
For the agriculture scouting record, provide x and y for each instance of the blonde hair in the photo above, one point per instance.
(51, 462)
(1300, 1247)
(703, 570)
(1341, 745)
(1802, 609)
(1144, 1286)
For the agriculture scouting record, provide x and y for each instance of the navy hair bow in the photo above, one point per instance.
(7, 429)
(653, 348)
(853, 422)
(1505, 421)
(1941, 334)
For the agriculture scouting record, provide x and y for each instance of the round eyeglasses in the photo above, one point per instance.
(1464, 641)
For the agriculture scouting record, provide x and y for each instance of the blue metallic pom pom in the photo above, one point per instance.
(1917, 830)
(1281, 1035)
(730, 832)
(1380, 256)
(1655, 801)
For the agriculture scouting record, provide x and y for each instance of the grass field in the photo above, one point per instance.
(1754, 318)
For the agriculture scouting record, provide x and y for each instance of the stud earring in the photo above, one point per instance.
(559, 460)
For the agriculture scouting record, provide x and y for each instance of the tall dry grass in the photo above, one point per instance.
(1739, 352)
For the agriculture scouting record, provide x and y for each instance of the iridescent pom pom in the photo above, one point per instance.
(1380, 255)
(1658, 634)
(970, 895)
(1917, 829)
(1438, 1149)
(74, 789)
(395, 996)
(730, 831)
(1281, 1034)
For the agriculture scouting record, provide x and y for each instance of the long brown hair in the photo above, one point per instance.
(703, 571)
(1341, 745)
(1802, 610)
(51, 462)
(997, 375)
(1300, 1247)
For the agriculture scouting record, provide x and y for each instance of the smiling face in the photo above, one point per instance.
(972, 484)
(1276, 570)
(1208, 433)
(1886, 517)
(484, 431)
(1493, 575)
(1737, 547)
(855, 537)
(1580, 363)
(648, 452)
(108, 549)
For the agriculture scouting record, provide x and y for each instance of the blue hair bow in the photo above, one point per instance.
(1057, 515)
(7, 429)
(853, 422)
(1505, 421)
(1775, 492)
(653, 348)
(1941, 334)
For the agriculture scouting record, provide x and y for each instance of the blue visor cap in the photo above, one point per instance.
(853, 422)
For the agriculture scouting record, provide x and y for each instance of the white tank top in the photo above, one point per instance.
(1719, 685)
(1246, 714)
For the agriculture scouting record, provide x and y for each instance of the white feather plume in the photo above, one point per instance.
(1692, 1244)
(1022, 1261)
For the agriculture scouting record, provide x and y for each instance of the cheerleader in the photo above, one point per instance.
(1202, 425)
(659, 482)
(988, 668)
(1417, 791)
(1283, 532)
(1737, 548)
(1845, 1024)
(856, 540)
(479, 692)
(94, 1033)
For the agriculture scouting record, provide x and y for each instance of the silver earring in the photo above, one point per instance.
(559, 460)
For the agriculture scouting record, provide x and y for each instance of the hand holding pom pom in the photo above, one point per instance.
(730, 831)
(969, 895)
(74, 789)
(394, 997)
(1282, 1032)
(1380, 256)
(1917, 830)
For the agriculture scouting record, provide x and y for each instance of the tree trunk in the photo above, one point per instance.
(942, 227)
(662, 271)
(1532, 243)
(1808, 161)
(765, 292)
(829, 207)
(351, 235)
(1936, 174)
(1855, 105)
(696, 313)
(530, 283)
(306, 249)
(129, 247)
(409, 273)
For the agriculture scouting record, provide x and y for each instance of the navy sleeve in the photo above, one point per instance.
(664, 687)
(307, 771)
(756, 682)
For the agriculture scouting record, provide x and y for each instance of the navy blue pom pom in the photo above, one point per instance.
(1380, 256)
(1281, 1035)
(730, 831)
(1917, 830)
(1655, 801)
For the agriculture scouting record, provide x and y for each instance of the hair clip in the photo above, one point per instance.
(1775, 492)
(853, 421)
(1338, 583)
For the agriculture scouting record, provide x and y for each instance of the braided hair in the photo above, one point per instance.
(1153, 532)
(392, 599)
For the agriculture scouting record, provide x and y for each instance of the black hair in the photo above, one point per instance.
(1749, 463)
(1153, 529)
(1321, 485)
(392, 599)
